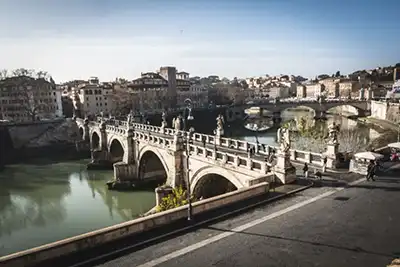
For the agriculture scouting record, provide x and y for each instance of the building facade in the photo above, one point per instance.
(25, 98)
(93, 97)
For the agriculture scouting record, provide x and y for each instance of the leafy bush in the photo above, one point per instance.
(177, 198)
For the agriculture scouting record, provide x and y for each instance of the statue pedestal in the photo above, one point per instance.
(161, 192)
(178, 142)
(283, 169)
(332, 151)
(218, 134)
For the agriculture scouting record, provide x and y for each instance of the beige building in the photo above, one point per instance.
(331, 86)
(150, 92)
(198, 95)
(25, 98)
(348, 88)
(92, 97)
(314, 89)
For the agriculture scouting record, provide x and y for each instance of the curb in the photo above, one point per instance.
(184, 229)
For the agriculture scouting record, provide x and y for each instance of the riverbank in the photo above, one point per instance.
(388, 131)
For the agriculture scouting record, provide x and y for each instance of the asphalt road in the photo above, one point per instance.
(325, 226)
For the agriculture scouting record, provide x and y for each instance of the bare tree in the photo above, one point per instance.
(3, 74)
(315, 140)
(351, 141)
(121, 100)
(32, 94)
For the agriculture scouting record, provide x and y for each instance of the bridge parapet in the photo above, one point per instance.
(159, 141)
(230, 160)
(116, 129)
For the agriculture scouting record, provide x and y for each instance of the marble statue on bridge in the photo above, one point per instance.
(177, 122)
(333, 130)
(220, 122)
(164, 123)
(129, 119)
(284, 139)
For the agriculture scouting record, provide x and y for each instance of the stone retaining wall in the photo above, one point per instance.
(32, 257)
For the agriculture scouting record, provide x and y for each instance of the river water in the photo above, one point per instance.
(44, 201)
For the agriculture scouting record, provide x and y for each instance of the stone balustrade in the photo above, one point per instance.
(153, 139)
(116, 129)
(244, 162)
(143, 133)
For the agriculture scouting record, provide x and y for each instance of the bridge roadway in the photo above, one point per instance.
(324, 226)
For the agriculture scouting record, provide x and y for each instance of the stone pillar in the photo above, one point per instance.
(124, 172)
(177, 162)
(103, 139)
(283, 169)
(129, 145)
(332, 151)
(86, 133)
(162, 192)
(218, 135)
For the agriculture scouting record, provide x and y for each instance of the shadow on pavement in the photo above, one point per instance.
(355, 249)
(371, 186)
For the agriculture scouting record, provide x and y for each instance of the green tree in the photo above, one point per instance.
(337, 74)
(177, 198)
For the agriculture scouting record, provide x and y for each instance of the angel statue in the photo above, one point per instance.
(129, 119)
(333, 130)
(163, 120)
(220, 122)
(176, 122)
(284, 139)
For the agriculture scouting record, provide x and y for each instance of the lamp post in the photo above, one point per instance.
(187, 118)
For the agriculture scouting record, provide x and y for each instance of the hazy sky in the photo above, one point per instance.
(74, 39)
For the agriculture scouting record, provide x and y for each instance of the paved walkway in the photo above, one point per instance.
(140, 240)
(359, 223)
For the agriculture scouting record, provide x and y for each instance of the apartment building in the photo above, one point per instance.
(198, 95)
(93, 97)
(24, 98)
(151, 92)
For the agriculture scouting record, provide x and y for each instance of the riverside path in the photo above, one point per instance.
(353, 225)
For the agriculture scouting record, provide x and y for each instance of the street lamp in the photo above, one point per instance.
(187, 118)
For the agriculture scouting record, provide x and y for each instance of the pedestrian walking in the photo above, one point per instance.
(324, 161)
(305, 170)
(371, 171)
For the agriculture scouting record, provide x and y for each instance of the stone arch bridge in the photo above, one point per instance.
(142, 151)
(320, 108)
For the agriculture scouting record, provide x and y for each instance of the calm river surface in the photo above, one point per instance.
(44, 201)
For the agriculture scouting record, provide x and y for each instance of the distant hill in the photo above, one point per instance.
(380, 74)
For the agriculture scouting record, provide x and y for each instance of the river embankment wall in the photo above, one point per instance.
(35, 256)
(21, 141)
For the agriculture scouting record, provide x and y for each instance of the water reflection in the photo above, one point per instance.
(42, 203)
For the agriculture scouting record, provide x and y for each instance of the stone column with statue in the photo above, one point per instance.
(332, 148)
(177, 125)
(283, 169)
(219, 131)
(164, 123)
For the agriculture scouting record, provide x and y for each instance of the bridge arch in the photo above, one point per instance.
(151, 160)
(204, 180)
(301, 106)
(95, 140)
(345, 108)
(116, 150)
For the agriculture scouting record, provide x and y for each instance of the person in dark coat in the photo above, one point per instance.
(371, 169)
(305, 170)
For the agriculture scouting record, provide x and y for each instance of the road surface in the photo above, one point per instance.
(326, 226)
